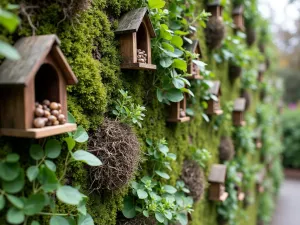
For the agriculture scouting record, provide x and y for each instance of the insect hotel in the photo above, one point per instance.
(135, 32)
(214, 106)
(257, 138)
(33, 90)
(238, 188)
(261, 71)
(216, 179)
(193, 69)
(238, 112)
(215, 8)
(260, 176)
(177, 111)
(238, 18)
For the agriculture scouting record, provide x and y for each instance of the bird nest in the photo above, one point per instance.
(214, 32)
(139, 220)
(193, 177)
(226, 149)
(118, 148)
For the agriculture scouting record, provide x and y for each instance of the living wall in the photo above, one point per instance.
(86, 30)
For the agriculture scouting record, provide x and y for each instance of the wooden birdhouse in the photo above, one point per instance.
(257, 138)
(177, 111)
(214, 105)
(42, 73)
(238, 112)
(238, 18)
(215, 8)
(216, 179)
(135, 32)
(238, 188)
(261, 71)
(260, 176)
(193, 69)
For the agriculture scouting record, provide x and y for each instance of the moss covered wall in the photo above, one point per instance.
(92, 51)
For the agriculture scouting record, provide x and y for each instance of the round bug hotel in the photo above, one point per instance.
(226, 149)
(215, 32)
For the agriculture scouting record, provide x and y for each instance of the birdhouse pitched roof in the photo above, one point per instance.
(217, 173)
(131, 22)
(216, 88)
(193, 47)
(33, 51)
(238, 10)
(214, 3)
(239, 105)
(262, 67)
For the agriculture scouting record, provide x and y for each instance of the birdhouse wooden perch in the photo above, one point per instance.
(42, 73)
(238, 18)
(216, 179)
(215, 8)
(177, 111)
(238, 188)
(135, 32)
(238, 112)
(214, 106)
(193, 69)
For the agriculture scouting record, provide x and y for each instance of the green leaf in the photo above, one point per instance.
(170, 189)
(52, 149)
(32, 172)
(146, 213)
(15, 216)
(178, 83)
(81, 208)
(156, 4)
(9, 20)
(71, 118)
(142, 194)
(15, 201)
(51, 165)
(12, 158)
(172, 156)
(159, 95)
(36, 152)
(9, 171)
(69, 195)
(177, 41)
(166, 62)
(48, 179)
(71, 221)
(181, 33)
(159, 217)
(34, 204)
(8, 51)
(168, 47)
(87, 158)
(174, 95)
(81, 135)
(182, 218)
(180, 64)
(2, 202)
(165, 33)
(70, 143)
(35, 222)
(14, 186)
(129, 208)
(163, 149)
(162, 174)
(85, 220)
(58, 220)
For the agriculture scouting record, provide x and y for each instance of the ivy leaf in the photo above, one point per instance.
(174, 95)
(71, 118)
(163, 149)
(35, 222)
(48, 179)
(58, 220)
(50, 165)
(170, 189)
(14, 186)
(15, 201)
(81, 135)
(180, 64)
(9, 171)
(2, 202)
(142, 194)
(8, 51)
(164, 32)
(36, 152)
(181, 33)
(178, 83)
(168, 47)
(162, 174)
(71, 221)
(9, 20)
(205, 117)
(70, 143)
(32, 172)
(81, 208)
(182, 218)
(85, 220)
(172, 156)
(34, 204)
(87, 158)
(188, 40)
(129, 208)
(69, 195)
(166, 62)
(169, 53)
(15, 216)
(156, 4)
(159, 95)
(52, 149)
(177, 41)
(159, 217)
(12, 158)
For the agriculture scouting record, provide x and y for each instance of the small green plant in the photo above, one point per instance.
(45, 185)
(201, 156)
(243, 139)
(128, 112)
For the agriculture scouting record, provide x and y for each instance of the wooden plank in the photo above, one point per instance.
(39, 132)
(138, 66)
(217, 173)
(179, 120)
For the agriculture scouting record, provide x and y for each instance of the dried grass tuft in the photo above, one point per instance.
(214, 32)
(226, 149)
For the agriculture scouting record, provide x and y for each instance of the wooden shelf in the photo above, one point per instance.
(180, 120)
(194, 77)
(224, 196)
(241, 196)
(39, 132)
(138, 66)
(218, 112)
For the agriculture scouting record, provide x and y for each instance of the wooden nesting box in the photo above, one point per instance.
(193, 69)
(261, 71)
(42, 73)
(177, 111)
(238, 188)
(260, 176)
(238, 112)
(257, 138)
(216, 179)
(215, 8)
(135, 32)
(214, 106)
(238, 18)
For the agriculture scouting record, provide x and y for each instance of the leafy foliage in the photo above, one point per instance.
(201, 156)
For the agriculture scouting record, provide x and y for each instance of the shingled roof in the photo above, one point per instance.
(213, 2)
(238, 10)
(33, 51)
(193, 47)
(216, 88)
(239, 105)
(131, 21)
(217, 173)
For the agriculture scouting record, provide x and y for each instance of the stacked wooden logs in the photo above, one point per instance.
(141, 56)
(48, 114)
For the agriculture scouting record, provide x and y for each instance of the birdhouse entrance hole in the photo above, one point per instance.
(46, 84)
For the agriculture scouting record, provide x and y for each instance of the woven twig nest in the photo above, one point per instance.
(245, 94)
(193, 177)
(214, 32)
(234, 71)
(250, 36)
(226, 149)
(139, 220)
(118, 148)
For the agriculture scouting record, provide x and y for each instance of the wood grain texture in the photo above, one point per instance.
(138, 66)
